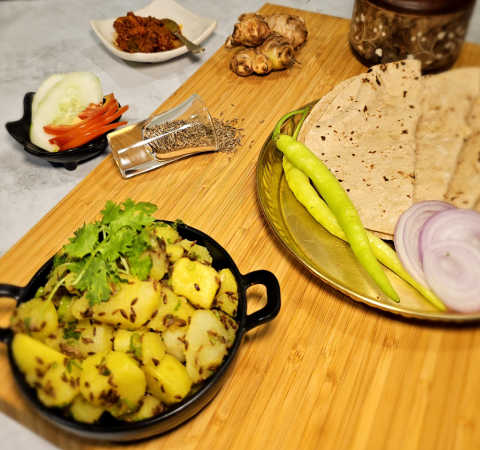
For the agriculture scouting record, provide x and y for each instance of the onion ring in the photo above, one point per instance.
(407, 232)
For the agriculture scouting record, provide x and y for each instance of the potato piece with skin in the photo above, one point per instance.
(227, 295)
(84, 411)
(34, 358)
(60, 385)
(169, 380)
(114, 381)
(85, 338)
(130, 307)
(150, 406)
(195, 281)
(209, 336)
(173, 311)
(37, 317)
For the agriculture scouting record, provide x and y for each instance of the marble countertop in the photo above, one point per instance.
(41, 37)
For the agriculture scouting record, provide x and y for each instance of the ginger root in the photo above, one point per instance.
(247, 61)
(291, 27)
(271, 42)
(253, 29)
(279, 51)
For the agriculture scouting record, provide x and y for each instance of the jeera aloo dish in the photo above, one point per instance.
(133, 318)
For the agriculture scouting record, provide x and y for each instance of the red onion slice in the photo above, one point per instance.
(456, 224)
(452, 270)
(407, 232)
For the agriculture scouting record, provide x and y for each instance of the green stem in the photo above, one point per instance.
(55, 288)
(278, 127)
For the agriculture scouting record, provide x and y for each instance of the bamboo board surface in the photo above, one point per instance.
(328, 372)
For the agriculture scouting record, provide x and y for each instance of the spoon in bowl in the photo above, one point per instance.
(173, 27)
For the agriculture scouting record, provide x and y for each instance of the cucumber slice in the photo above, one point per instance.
(62, 103)
(47, 84)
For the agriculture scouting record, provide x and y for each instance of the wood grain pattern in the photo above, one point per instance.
(327, 372)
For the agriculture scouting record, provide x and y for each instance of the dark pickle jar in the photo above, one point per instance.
(432, 31)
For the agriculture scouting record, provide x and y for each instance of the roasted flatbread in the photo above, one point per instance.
(464, 188)
(447, 100)
(366, 136)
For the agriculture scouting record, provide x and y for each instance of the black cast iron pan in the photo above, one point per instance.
(110, 429)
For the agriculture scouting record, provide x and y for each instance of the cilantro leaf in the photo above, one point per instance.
(135, 215)
(83, 242)
(93, 279)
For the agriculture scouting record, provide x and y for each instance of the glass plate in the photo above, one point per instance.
(326, 256)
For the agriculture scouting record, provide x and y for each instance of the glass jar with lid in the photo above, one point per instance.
(432, 31)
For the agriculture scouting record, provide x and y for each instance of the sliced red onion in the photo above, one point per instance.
(407, 232)
(452, 270)
(457, 224)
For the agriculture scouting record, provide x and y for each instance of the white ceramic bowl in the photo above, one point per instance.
(195, 28)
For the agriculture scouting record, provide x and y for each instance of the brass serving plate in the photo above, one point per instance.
(326, 256)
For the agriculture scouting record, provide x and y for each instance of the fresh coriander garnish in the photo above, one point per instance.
(104, 252)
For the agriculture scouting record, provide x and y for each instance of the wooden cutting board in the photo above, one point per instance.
(327, 372)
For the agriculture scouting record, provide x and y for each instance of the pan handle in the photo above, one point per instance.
(272, 307)
(11, 291)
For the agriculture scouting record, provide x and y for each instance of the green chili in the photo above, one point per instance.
(338, 202)
(304, 192)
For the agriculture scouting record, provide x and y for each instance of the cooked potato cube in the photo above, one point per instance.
(84, 411)
(227, 295)
(128, 378)
(130, 307)
(86, 337)
(208, 338)
(200, 253)
(195, 281)
(169, 380)
(174, 252)
(113, 380)
(167, 233)
(34, 358)
(95, 384)
(60, 385)
(174, 339)
(173, 311)
(37, 317)
(64, 309)
(150, 406)
(159, 265)
(152, 349)
(122, 340)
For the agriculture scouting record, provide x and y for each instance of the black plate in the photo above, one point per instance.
(110, 429)
(20, 131)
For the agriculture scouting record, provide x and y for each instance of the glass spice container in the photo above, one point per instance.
(432, 31)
